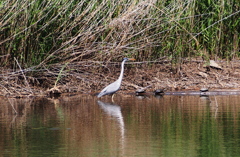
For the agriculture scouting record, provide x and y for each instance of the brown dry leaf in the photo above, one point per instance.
(214, 65)
(204, 75)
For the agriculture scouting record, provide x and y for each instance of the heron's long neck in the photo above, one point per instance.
(122, 70)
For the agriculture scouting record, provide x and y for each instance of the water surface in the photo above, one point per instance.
(83, 125)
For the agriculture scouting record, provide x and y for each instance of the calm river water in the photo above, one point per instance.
(82, 125)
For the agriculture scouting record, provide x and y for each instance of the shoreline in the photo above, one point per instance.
(91, 78)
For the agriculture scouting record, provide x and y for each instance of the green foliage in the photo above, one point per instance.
(35, 31)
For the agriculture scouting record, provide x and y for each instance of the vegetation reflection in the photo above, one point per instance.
(164, 126)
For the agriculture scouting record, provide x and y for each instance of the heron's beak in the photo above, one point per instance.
(131, 59)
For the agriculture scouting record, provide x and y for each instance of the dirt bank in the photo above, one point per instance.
(91, 77)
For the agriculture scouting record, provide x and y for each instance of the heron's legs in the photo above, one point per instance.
(112, 97)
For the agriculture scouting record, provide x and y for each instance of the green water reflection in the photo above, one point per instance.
(84, 126)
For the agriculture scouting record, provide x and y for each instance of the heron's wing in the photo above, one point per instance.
(112, 88)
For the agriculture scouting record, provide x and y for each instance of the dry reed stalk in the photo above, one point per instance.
(25, 79)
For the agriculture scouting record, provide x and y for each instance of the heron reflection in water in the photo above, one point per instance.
(115, 86)
(114, 110)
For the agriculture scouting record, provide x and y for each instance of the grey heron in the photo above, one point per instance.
(115, 86)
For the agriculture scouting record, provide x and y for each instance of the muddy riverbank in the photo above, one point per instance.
(90, 77)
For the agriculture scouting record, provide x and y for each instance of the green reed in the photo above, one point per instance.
(36, 32)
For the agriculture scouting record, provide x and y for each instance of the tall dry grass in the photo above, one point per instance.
(41, 32)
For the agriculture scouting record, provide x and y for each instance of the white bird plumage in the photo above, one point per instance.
(115, 86)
